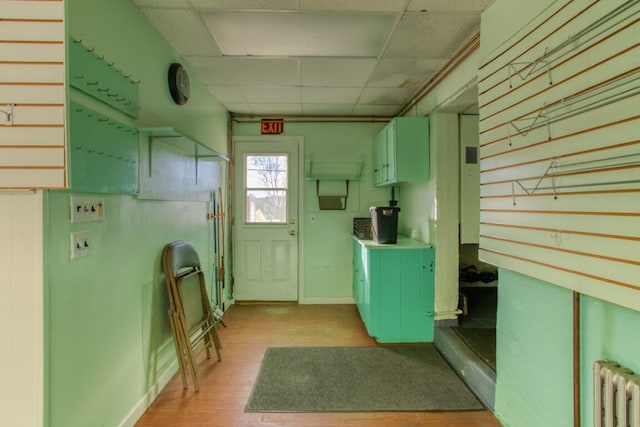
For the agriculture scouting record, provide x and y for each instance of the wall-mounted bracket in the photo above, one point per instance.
(9, 114)
(531, 67)
(332, 202)
(525, 125)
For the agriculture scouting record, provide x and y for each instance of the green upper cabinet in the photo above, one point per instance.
(401, 151)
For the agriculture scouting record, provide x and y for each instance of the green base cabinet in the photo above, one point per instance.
(393, 286)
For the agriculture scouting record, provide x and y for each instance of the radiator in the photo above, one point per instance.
(616, 399)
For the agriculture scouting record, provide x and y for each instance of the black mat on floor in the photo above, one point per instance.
(482, 341)
(358, 379)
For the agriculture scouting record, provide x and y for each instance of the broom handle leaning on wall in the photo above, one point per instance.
(221, 234)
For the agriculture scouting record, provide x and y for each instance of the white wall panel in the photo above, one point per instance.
(35, 157)
(34, 72)
(28, 178)
(560, 153)
(21, 310)
(26, 136)
(33, 31)
(32, 52)
(33, 94)
(42, 10)
(32, 99)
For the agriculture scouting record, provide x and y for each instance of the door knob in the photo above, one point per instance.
(292, 232)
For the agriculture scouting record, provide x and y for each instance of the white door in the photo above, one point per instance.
(266, 220)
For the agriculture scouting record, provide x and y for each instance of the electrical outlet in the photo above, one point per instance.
(80, 244)
(87, 209)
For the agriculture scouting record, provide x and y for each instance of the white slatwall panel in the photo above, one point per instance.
(32, 77)
(560, 150)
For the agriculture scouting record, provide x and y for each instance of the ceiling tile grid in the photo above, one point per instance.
(314, 57)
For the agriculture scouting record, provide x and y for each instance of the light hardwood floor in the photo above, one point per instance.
(226, 385)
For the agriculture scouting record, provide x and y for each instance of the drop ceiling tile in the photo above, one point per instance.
(327, 109)
(265, 71)
(386, 96)
(377, 110)
(238, 107)
(471, 6)
(330, 95)
(245, 4)
(336, 72)
(226, 94)
(183, 30)
(266, 94)
(276, 109)
(354, 5)
(396, 73)
(299, 34)
(430, 35)
(163, 3)
(212, 71)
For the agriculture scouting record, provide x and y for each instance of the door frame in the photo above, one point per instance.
(299, 140)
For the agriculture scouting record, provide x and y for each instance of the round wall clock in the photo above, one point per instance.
(178, 83)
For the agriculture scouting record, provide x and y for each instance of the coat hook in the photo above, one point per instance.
(9, 114)
(92, 83)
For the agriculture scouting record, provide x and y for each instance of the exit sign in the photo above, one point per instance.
(271, 126)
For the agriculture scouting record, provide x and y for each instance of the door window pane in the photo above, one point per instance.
(266, 188)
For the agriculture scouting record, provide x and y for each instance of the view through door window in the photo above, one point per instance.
(266, 188)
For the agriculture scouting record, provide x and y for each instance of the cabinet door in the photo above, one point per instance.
(357, 274)
(390, 153)
(391, 271)
(379, 157)
(416, 318)
(411, 149)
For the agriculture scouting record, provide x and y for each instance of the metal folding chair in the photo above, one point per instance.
(190, 313)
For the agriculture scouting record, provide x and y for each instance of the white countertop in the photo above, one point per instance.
(403, 242)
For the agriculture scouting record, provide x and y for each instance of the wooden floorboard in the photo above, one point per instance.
(226, 385)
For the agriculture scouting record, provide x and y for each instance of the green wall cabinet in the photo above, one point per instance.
(393, 286)
(401, 151)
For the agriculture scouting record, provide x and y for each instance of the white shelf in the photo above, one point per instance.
(333, 171)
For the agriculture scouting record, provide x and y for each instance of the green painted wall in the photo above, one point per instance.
(327, 244)
(534, 350)
(109, 338)
(108, 346)
(534, 373)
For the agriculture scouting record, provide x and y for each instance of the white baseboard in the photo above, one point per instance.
(323, 300)
(153, 392)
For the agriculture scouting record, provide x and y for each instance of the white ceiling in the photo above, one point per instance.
(314, 57)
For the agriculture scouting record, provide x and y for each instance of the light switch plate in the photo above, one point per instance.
(80, 244)
(87, 209)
